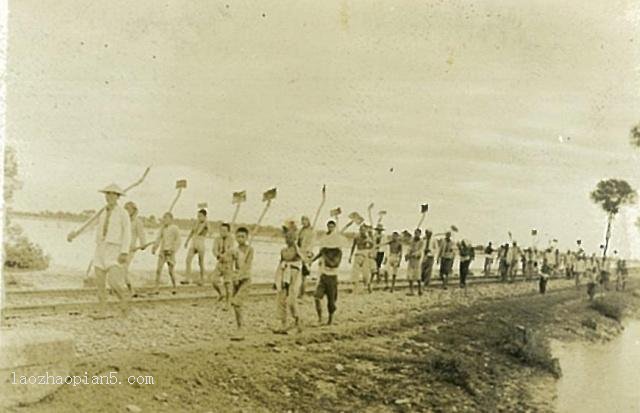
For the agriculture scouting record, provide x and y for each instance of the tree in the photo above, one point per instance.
(19, 252)
(11, 181)
(635, 135)
(611, 195)
(11, 185)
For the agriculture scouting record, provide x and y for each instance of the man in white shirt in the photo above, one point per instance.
(113, 241)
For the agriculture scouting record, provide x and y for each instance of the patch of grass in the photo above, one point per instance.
(451, 370)
(610, 307)
(531, 349)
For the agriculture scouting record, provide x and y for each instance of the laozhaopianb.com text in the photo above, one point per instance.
(109, 379)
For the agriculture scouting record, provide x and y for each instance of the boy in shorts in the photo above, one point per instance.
(414, 260)
(223, 251)
(167, 243)
(138, 239)
(242, 260)
(428, 257)
(197, 236)
(363, 248)
(379, 251)
(330, 256)
(446, 254)
(393, 259)
(287, 282)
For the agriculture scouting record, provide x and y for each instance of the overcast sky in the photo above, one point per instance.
(459, 104)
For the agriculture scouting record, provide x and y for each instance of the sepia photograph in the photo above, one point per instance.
(283, 206)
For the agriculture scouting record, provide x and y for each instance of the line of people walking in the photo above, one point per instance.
(373, 256)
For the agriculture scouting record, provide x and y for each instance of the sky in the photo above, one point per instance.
(456, 103)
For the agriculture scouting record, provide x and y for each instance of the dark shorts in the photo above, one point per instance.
(328, 285)
(305, 270)
(446, 265)
(379, 259)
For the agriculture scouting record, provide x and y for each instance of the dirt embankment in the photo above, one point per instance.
(485, 355)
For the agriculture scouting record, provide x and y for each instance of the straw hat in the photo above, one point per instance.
(113, 188)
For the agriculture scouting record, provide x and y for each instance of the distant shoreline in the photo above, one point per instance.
(150, 222)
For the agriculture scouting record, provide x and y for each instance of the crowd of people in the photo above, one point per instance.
(533, 263)
(374, 257)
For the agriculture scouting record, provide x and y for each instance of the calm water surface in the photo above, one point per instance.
(601, 377)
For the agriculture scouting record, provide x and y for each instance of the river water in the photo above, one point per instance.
(600, 377)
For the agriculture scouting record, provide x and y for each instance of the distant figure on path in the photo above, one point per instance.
(428, 257)
(488, 259)
(579, 266)
(569, 265)
(503, 262)
(513, 256)
(446, 254)
(378, 243)
(414, 260)
(546, 272)
(393, 259)
(467, 254)
(529, 266)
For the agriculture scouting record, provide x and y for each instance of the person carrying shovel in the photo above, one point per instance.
(113, 241)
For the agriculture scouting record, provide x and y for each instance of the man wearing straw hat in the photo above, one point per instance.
(113, 240)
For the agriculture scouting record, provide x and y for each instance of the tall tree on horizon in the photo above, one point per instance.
(634, 136)
(611, 195)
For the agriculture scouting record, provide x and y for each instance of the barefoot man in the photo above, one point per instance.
(197, 236)
(414, 259)
(428, 257)
(330, 256)
(113, 241)
(446, 254)
(223, 250)
(168, 243)
(243, 260)
(138, 238)
(306, 238)
(363, 248)
(288, 279)
(393, 259)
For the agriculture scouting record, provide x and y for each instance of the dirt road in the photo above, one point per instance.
(446, 351)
